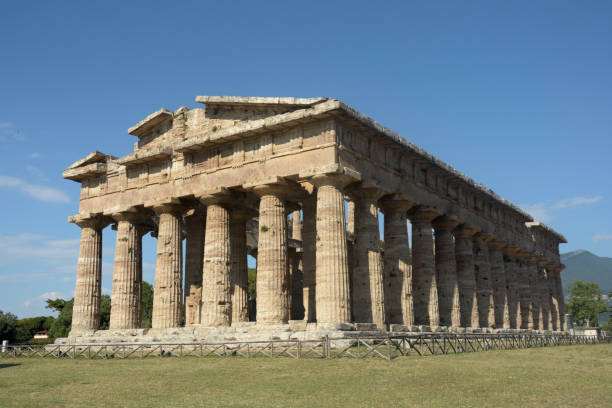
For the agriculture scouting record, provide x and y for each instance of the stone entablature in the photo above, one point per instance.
(273, 153)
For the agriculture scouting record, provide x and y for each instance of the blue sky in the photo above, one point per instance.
(518, 95)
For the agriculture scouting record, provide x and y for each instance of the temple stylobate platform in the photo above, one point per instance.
(300, 184)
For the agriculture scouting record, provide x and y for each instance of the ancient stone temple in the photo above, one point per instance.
(301, 184)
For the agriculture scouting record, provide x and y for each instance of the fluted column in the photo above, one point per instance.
(309, 259)
(542, 291)
(368, 291)
(552, 297)
(194, 256)
(534, 304)
(482, 268)
(297, 284)
(559, 295)
(168, 293)
(468, 296)
(239, 273)
(498, 280)
(525, 292)
(127, 272)
(397, 265)
(424, 285)
(511, 271)
(446, 272)
(87, 292)
(217, 266)
(272, 262)
(332, 278)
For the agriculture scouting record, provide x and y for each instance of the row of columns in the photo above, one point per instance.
(460, 278)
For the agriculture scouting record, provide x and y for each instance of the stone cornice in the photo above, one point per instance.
(150, 122)
(144, 156)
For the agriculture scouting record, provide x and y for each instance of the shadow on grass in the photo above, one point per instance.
(8, 365)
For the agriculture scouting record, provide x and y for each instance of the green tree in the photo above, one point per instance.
(146, 305)
(252, 280)
(585, 301)
(8, 326)
(26, 328)
(63, 323)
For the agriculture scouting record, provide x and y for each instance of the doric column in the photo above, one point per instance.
(424, 285)
(511, 271)
(194, 256)
(542, 298)
(397, 265)
(464, 255)
(498, 280)
(559, 295)
(534, 304)
(446, 272)
(272, 263)
(552, 297)
(296, 226)
(127, 272)
(367, 278)
(87, 292)
(309, 259)
(168, 292)
(524, 292)
(551, 315)
(482, 268)
(217, 266)
(239, 272)
(332, 277)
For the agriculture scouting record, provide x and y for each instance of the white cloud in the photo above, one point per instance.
(538, 211)
(576, 201)
(38, 192)
(8, 131)
(41, 300)
(106, 291)
(543, 212)
(36, 172)
(35, 155)
(602, 237)
(35, 247)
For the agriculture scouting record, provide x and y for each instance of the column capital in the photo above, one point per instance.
(483, 237)
(446, 222)
(132, 215)
(465, 230)
(334, 175)
(215, 196)
(422, 214)
(396, 202)
(511, 250)
(90, 220)
(276, 186)
(497, 244)
(166, 205)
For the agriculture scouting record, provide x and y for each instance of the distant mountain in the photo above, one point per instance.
(586, 266)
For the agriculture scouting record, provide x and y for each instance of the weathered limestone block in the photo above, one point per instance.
(216, 275)
(239, 273)
(272, 263)
(464, 255)
(127, 272)
(498, 280)
(482, 268)
(424, 285)
(542, 298)
(559, 295)
(296, 226)
(87, 292)
(511, 270)
(446, 272)
(367, 278)
(168, 292)
(309, 260)
(195, 224)
(552, 297)
(397, 265)
(332, 277)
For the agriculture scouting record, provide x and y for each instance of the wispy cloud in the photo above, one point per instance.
(602, 237)
(9, 131)
(36, 172)
(41, 248)
(43, 298)
(543, 211)
(35, 155)
(38, 192)
(576, 201)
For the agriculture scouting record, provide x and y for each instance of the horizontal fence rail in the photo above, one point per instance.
(384, 347)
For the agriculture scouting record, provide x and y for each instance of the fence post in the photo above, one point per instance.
(327, 347)
(299, 349)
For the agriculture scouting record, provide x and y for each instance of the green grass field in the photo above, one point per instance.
(556, 376)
